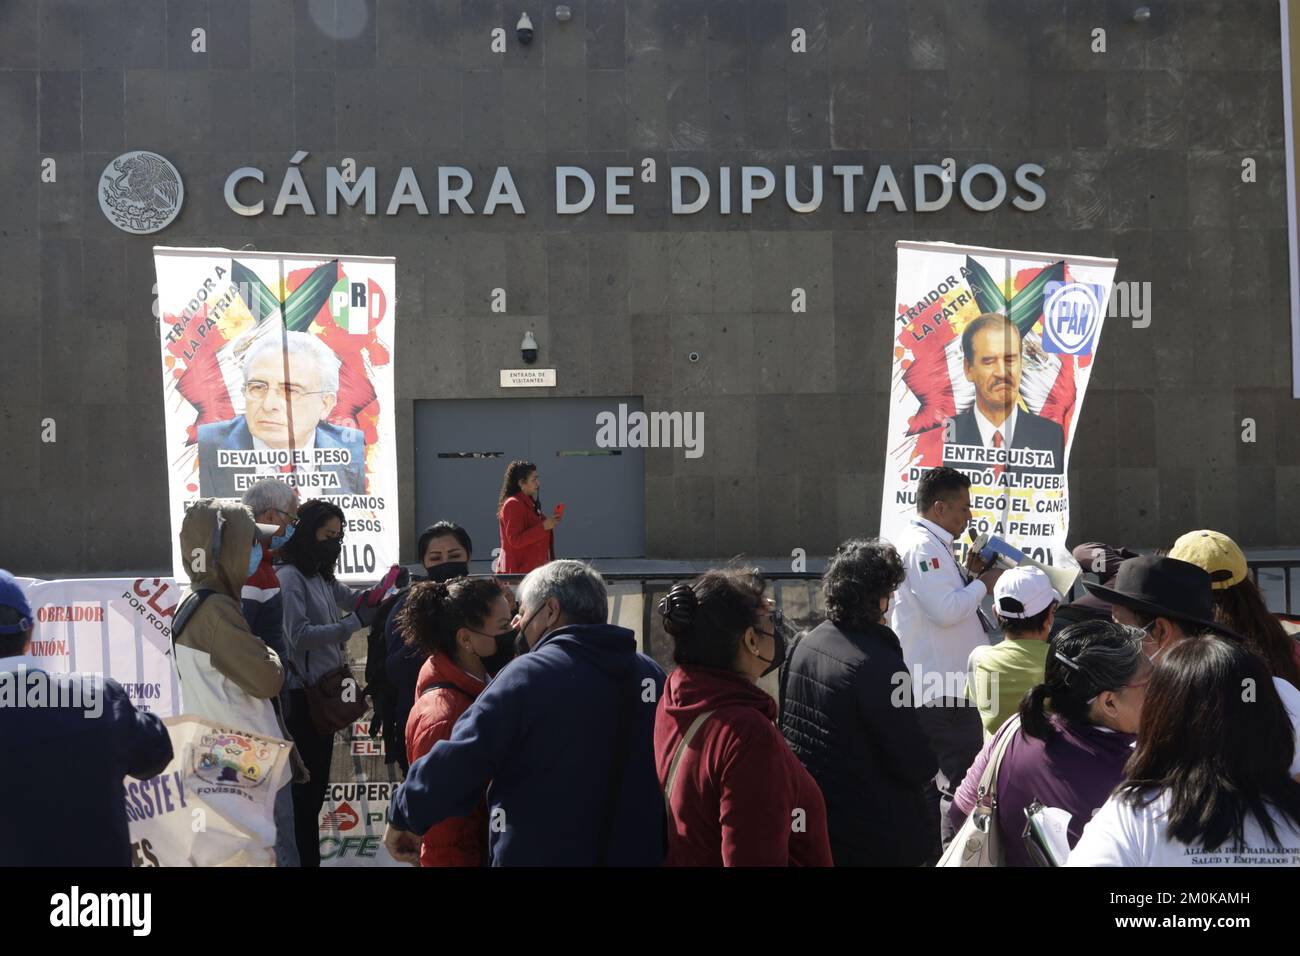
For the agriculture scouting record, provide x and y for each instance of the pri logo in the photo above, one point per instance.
(340, 820)
(140, 192)
(1071, 314)
(357, 307)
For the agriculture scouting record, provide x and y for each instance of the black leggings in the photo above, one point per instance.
(316, 751)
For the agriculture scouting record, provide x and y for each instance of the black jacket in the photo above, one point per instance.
(1032, 431)
(848, 716)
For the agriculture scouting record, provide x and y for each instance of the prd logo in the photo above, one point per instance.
(1072, 313)
(140, 192)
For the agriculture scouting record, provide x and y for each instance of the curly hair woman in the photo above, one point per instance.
(848, 715)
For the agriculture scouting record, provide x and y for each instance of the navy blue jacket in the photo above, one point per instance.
(403, 664)
(543, 732)
(62, 802)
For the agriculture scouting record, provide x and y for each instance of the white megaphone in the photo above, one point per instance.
(995, 549)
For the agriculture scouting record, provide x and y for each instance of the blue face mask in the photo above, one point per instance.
(278, 541)
(254, 558)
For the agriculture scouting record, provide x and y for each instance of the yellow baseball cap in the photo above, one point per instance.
(1216, 554)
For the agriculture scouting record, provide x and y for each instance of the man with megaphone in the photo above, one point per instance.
(938, 622)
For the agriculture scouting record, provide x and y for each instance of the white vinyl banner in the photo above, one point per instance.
(117, 627)
(280, 365)
(993, 350)
(352, 822)
(214, 804)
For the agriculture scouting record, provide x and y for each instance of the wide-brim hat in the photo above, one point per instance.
(1164, 587)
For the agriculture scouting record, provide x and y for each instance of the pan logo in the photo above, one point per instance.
(140, 192)
(1071, 316)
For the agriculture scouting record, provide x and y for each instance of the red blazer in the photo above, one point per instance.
(458, 841)
(739, 788)
(525, 544)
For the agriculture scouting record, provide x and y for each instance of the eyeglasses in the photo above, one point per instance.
(258, 390)
(290, 520)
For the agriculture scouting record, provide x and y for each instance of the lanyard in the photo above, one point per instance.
(961, 572)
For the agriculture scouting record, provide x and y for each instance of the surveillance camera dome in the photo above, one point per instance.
(524, 29)
(528, 348)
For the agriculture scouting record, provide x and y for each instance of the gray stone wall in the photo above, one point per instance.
(1142, 147)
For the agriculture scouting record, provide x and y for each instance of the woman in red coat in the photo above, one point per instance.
(456, 623)
(527, 539)
(736, 794)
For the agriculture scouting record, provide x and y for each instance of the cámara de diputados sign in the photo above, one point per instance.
(732, 190)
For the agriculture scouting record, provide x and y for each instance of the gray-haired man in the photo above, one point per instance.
(291, 382)
(564, 735)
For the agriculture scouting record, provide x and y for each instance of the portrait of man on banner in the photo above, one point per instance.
(290, 387)
(992, 362)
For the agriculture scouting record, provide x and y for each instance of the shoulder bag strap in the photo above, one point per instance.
(677, 758)
(989, 779)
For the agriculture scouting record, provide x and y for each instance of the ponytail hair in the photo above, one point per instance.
(1083, 660)
(435, 610)
(707, 618)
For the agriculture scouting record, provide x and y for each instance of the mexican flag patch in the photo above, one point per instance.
(931, 563)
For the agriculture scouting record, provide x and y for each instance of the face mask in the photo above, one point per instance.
(521, 641)
(778, 657)
(448, 570)
(327, 552)
(278, 541)
(505, 652)
(254, 558)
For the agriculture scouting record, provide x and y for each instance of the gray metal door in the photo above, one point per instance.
(462, 448)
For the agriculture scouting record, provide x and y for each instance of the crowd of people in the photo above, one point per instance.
(1158, 712)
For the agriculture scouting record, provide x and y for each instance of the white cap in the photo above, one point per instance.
(1027, 585)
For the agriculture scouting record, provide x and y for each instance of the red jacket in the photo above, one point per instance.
(739, 785)
(525, 544)
(458, 841)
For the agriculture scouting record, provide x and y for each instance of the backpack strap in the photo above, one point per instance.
(432, 687)
(183, 615)
(677, 758)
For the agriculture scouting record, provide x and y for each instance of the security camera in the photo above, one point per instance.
(1141, 14)
(528, 348)
(524, 29)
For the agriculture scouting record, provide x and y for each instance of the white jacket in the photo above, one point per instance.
(935, 613)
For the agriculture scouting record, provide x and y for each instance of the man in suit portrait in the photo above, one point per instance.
(285, 413)
(990, 346)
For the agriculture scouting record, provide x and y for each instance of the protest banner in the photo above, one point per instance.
(118, 627)
(281, 365)
(352, 822)
(214, 804)
(993, 350)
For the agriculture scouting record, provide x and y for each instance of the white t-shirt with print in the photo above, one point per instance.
(1121, 835)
